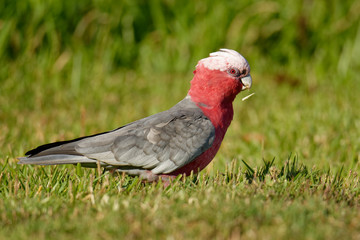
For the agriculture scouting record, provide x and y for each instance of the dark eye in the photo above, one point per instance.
(234, 72)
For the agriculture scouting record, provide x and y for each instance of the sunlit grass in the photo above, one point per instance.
(76, 202)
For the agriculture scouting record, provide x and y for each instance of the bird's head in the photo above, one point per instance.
(219, 78)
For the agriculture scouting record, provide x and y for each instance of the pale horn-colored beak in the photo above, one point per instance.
(247, 82)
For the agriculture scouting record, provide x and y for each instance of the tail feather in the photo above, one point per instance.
(56, 159)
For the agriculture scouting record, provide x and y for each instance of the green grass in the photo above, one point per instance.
(287, 169)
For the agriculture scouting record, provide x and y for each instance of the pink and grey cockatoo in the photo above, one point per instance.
(183, 139)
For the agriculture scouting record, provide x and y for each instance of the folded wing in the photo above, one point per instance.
(161, 143)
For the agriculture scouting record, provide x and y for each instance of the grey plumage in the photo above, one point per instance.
(161, 143)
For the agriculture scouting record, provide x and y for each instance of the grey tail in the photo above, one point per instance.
(56, 159)
(53, 145)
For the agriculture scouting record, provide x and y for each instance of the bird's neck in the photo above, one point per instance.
(215, 101)
(220, 116)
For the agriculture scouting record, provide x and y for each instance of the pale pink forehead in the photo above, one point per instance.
(224, 59)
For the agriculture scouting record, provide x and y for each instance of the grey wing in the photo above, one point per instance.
(160, 146)
(161, 143)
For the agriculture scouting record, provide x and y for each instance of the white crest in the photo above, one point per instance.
(225, 59)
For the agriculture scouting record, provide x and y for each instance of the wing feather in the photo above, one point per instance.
(161, 143)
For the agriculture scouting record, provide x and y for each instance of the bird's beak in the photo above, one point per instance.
(246, 82)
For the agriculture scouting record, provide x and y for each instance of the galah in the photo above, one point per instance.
(181, 140)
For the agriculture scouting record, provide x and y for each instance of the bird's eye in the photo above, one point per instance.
(234, 72)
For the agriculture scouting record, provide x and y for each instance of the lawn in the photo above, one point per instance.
(287, 169)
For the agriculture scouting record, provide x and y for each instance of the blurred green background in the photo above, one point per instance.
(70, 68)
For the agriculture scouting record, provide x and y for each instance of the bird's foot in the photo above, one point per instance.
(147, 176)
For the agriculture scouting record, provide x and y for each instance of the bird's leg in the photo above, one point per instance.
(147, 176)
(167, 179)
